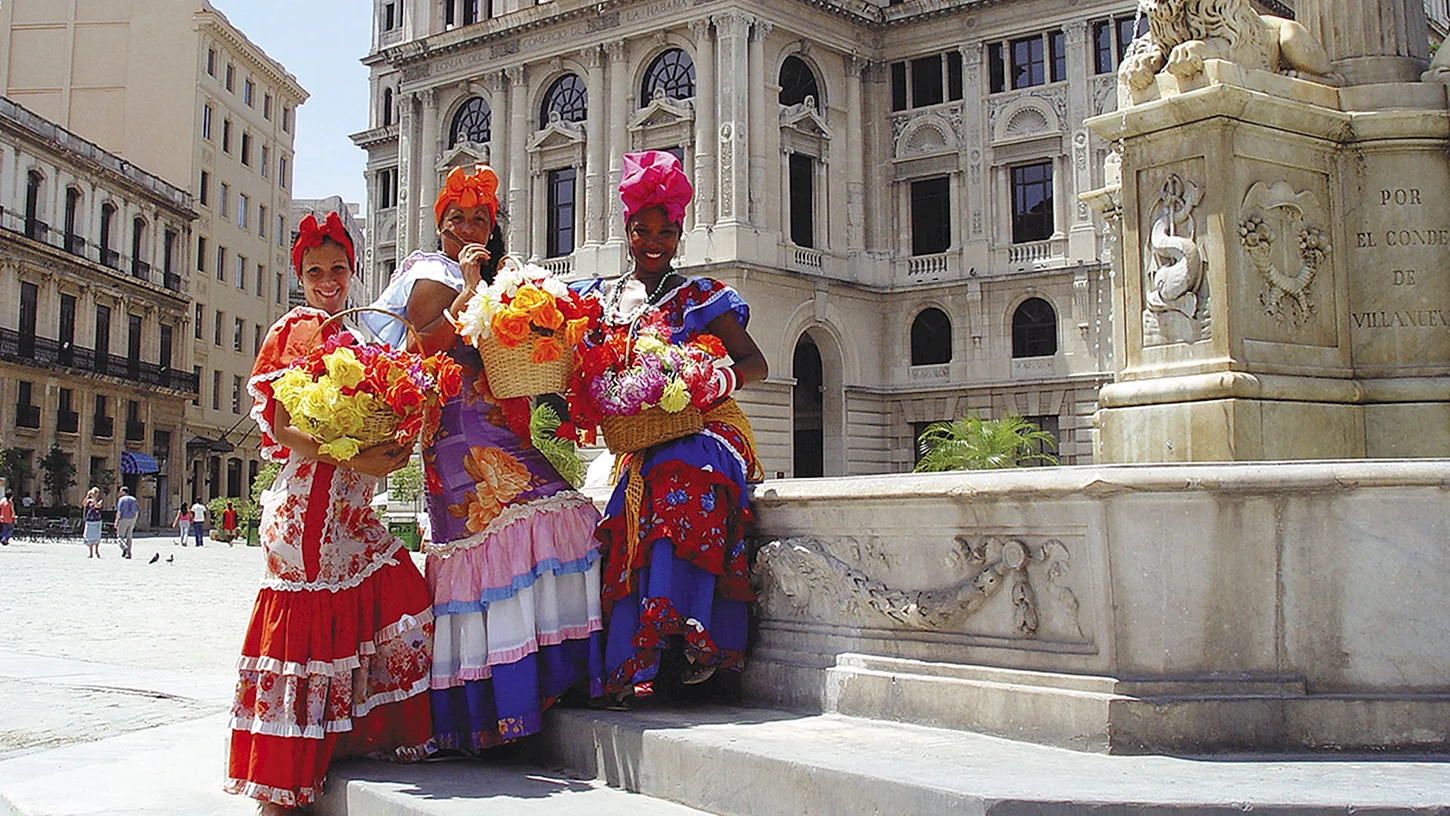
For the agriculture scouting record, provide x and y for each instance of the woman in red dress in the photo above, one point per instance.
(336, 657)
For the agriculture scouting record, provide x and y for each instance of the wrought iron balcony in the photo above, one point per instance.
(140, 269)
(172, 281)
(75, 244)
(36, 229)
(104, 427)
(110, 257)
(33, 349)
(27, 416)
(135, 431)
(68, 422)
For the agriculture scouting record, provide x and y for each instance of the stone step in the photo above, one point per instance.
(470, 787)
(756, 762)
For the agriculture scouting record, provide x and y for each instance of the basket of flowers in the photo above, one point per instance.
(349, 396)
(644, 391)
(525, 326)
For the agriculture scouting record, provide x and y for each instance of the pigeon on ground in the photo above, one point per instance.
(170, 558)
(154, 558)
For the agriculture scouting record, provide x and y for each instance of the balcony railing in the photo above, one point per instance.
(140, 269)
(135, 431)
(103, 427)
(111, 258)
(68, 422)
(27, 416)
(75, 245)
(805, 259)
(1034, 254)
(561, 266)
(171, 281)
(30, 348)
(36, 229)
(927, 265)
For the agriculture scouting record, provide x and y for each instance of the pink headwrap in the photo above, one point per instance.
(654, 178)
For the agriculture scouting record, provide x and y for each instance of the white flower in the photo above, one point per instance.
(475, 321)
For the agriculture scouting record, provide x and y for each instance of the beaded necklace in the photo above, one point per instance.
(611, 306)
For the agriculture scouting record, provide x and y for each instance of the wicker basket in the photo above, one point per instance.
(511, 374)
(650, 427)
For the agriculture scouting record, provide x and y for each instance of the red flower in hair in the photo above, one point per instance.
(311, 234)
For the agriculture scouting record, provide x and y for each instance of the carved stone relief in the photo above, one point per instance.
(1054, 99)
(828, 580)
(1282, 234)
(1176, 307)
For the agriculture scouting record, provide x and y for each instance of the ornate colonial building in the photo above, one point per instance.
(892, 186)
(173, 86)
(93, 351)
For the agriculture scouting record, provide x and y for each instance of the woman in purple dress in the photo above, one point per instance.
(513, 563)
(675, 584)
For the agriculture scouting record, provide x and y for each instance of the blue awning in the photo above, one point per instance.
(137, 463)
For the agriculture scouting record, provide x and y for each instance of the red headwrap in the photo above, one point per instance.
(311, 234)
(654, 178)
(478, 189)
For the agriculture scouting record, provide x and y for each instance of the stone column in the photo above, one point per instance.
(761, 100)
(498, 100)
(1370, 42)
(618, 138)
(407, 142)
(595, 165)
(972, 90)
(705, 91)
(518, 232)
(855, 158)
(428, 166)
(733, 99)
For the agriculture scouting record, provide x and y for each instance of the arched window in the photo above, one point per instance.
(797, 81)
(472, 123)
(931, 338)
(387, 107)
(567, 98)
(1034, 329)
(73, 243)
(34, 227)
(139, 268)
(672, 73)
(109, 256)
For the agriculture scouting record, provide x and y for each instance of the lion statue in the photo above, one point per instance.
(1184, 33)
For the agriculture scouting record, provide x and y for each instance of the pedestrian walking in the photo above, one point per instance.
(183, 522)
(92, 510)
(229, 523)
(198, 521)
(7, 517)
(127, 509)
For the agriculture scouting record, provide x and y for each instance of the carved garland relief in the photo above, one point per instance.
(821, 580)
(1280, 232)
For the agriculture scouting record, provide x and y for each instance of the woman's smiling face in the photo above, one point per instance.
(326, 276)
(653, 240)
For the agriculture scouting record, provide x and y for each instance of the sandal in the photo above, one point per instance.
(694, 674)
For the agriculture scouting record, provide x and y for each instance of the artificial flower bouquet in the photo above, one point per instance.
(351, 397)
(645, 390)
(525, 326)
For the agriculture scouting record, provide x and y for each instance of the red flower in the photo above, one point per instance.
(566, 430)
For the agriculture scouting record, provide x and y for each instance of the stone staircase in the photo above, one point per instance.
(676, 759)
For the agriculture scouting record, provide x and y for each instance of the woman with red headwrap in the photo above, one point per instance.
(336, 657)
(513, 564)
(675, 587)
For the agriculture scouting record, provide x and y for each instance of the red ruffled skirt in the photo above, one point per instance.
(329, 674)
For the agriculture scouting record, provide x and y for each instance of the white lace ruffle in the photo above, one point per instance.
(342, 665)
(565, 500)
(387, 558)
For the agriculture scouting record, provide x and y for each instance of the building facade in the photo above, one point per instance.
(892, 186)
(93, 354)
(210, 112)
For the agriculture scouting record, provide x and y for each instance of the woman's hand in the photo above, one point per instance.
(471, 260)
(379, 460)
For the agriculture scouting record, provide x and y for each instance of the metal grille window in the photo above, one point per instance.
(672, 73)
(568, 99)
(472, 123)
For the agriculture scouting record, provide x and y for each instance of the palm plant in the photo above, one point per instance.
(543, 426)
(973, 443)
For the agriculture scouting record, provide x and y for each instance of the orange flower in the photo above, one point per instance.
(530, 297)
(511, 326)
(498, 479)
(547, 316)
(546, 350)
(574, 331)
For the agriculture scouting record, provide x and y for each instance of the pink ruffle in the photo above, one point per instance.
(510, 559)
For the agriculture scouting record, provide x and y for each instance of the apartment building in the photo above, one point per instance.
(93, 354)
(173, 86)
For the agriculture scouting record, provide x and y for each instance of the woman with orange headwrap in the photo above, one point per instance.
(513, 564)
(336, 657)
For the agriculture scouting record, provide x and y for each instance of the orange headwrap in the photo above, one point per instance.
(479, 188)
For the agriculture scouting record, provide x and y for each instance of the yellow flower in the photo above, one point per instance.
(347, 415)
(344, 369)
(341, 449)
(319, 401)
(675, 397)
(650, 343)
(529, 298)
(287, 389)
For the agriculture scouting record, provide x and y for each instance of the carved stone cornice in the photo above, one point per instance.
(616, 50)
(592, 57)
(516, 75)
(700, 28)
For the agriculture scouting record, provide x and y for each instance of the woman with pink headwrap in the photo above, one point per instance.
(678, 599)
(512, 564)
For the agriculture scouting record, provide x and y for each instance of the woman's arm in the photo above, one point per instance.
(426, 304)
(378, 460)
(749, 363)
